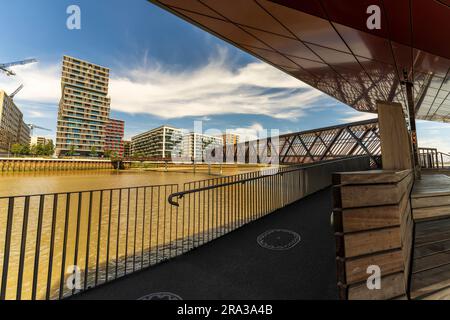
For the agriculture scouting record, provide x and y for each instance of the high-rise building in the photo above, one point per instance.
(114, 137)
(84, 108)
(12, 127)
(126, 149)
(196, 145)
(230, 138)
(161, 142)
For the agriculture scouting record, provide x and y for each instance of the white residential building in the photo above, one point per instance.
(196, 145)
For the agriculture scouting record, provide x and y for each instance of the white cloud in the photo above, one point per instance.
(216, 88)
(354, 116)
(250, 133)
(42, 84)
(434, 135)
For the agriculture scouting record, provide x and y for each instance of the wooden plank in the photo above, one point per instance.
(356, 269)
(425, 227)
(431, 261)
(395, 140)
(431, 185)
(392, 286)
(443, 294)
(435, 201)
(371, 177)
(354, 196)
(430, 281)
(431, 212)
(362, 243)
(359, 219)
(430, 249)
(431, 238)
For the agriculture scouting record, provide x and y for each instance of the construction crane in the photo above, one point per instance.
(12, 95)
(4, 66)
(33, 126)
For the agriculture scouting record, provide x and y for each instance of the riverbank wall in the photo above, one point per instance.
(32, 164)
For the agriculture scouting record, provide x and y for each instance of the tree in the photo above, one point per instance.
(20, 149)
(49, 148)
(71, 151)
(16, 149)
(25, 150)
(34, 150)
(93, 152)
(107, 153)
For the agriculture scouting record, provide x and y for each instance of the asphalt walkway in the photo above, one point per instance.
(237, 267)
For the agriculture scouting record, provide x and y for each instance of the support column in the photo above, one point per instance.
(396, 148)
(412, 122)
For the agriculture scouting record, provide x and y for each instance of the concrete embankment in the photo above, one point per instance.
(33, 164)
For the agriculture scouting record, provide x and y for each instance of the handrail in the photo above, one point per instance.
(181, 194)
(338, 126)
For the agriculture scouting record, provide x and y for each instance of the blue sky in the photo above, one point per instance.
(163, 71)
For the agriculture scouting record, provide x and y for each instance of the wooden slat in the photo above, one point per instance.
(433, 248)
(431, 238)
(357, 196)
(432, 185)
(356, 269)
(425, 227)
(443, 294)
(431, 212)
(359, 219)
(372, 241)
(371, 177)
(392, 286)
(430, 281)
(435, 201)
(431, 261)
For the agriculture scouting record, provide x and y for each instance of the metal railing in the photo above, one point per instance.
(52, 242)
(60, 244)
(431, 158)
(215, 207)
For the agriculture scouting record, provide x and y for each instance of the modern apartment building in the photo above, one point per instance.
(196, 145)
(114, 137)
(127, 149)
(84, 108)
(40, 140)
(230, 138)
(161, 142)
(12, 127)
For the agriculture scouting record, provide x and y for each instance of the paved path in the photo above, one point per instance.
(236, 267)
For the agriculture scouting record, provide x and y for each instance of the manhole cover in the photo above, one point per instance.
(161, 296)
(278, 239)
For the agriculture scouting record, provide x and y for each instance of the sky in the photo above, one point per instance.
(163, 71)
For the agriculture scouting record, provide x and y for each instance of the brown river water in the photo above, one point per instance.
(108, 233)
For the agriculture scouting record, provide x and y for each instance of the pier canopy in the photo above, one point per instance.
(336, 46)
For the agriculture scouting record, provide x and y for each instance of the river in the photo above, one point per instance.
(117, 230)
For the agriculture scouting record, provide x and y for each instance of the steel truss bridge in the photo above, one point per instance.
(335, 142)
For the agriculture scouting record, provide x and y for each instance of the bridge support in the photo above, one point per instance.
(396, 149)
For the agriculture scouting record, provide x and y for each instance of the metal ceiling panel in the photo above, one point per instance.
(327, 44)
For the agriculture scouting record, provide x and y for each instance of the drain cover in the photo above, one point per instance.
(278, 239)
(161, 296)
